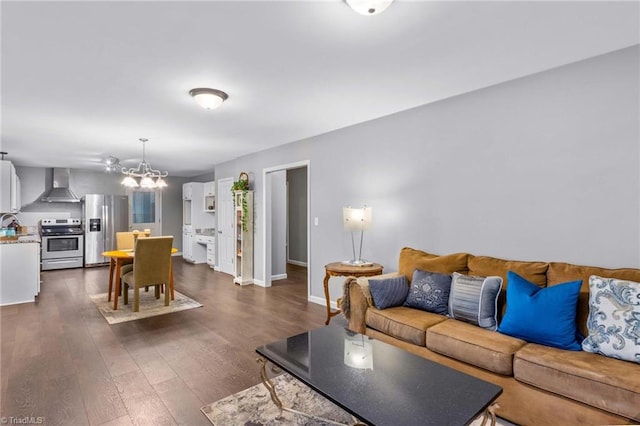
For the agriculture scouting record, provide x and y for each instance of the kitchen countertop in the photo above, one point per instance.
(22, 239)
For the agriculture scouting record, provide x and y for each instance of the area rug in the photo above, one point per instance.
(149, 306)
(253, 407)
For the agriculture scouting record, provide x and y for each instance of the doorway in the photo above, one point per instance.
(279, 229)
(226, 224)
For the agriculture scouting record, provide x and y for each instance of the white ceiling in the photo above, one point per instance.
(84, 80)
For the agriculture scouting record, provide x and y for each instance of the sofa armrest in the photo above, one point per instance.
(356, 299)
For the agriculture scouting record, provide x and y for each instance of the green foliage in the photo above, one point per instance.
(245, 208)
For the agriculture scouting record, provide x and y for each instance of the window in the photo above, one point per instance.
(144, 207)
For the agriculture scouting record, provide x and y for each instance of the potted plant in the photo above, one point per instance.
(242, 184)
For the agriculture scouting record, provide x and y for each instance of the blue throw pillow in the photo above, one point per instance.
(429, 292)
(542, 315)
(388, 292)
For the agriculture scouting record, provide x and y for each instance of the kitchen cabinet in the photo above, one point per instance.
(20, 275)
(192, 251)
(10, 201)
(210, 197)
(187, 246)
(195, 220)
(187, 190)
(209, 241)
(193, 206)
(243, 202)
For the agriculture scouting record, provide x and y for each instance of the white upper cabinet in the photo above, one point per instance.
(187, 191)
(210, 196)
(10, 201)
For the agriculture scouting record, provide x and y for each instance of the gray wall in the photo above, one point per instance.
(81, 182)
(297, 205)
(206, 177)
(545, 167)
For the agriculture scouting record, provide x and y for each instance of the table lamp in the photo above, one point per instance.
(357, 220)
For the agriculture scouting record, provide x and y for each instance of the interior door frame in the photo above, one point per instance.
(219, 227)
(266, 220)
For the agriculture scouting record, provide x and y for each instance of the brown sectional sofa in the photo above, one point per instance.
(542, 385)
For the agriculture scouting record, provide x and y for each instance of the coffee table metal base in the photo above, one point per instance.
(278, 403)
(489, 414)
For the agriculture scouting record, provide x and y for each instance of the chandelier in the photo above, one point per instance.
(143, 171)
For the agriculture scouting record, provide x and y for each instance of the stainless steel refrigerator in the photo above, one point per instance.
(103, 216)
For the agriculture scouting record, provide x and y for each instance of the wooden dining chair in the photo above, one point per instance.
(151, 267)
(124, 241)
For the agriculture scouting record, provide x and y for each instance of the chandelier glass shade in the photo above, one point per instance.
(149, 178)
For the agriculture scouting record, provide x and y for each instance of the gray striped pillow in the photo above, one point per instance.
(475, 300)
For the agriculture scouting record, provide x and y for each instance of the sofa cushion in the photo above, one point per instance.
(474, 299)
(614, 318)
(606, 383)
(429, 292)
(403, 323)
(412, 259)
(536, 272)
(388, 292)
(562, 272)
(474, 345)
(542, 315)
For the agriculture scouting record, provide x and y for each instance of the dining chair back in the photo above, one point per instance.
(124, 241)
(151, 267)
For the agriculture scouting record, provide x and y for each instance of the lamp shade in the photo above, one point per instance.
(129, 182)
(357, 219)
(147, 182)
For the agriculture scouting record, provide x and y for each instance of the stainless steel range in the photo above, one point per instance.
(62, 243)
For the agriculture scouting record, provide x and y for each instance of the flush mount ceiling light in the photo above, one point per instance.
(369, 7)
(208, 98)
(144, 172)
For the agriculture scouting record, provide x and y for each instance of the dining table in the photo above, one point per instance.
(116, 259)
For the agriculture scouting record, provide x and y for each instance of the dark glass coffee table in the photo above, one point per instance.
(379, 383)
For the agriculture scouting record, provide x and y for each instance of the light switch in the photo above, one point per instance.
(315, 221)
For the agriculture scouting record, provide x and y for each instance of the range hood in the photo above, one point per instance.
(57, 184)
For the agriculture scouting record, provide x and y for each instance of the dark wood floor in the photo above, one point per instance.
(61, 360)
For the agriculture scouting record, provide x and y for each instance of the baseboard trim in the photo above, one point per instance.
(322, 301)
(297, 263)
(259, 282)
(278, 277)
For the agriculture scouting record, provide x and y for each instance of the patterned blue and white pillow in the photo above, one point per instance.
(614, 318)
(429, 292)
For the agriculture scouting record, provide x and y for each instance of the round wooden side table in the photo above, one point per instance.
(339, 269)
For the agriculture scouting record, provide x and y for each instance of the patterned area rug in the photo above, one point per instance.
(149, 306)
(253, 407)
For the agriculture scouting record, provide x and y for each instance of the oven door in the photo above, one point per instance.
(62, 246)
